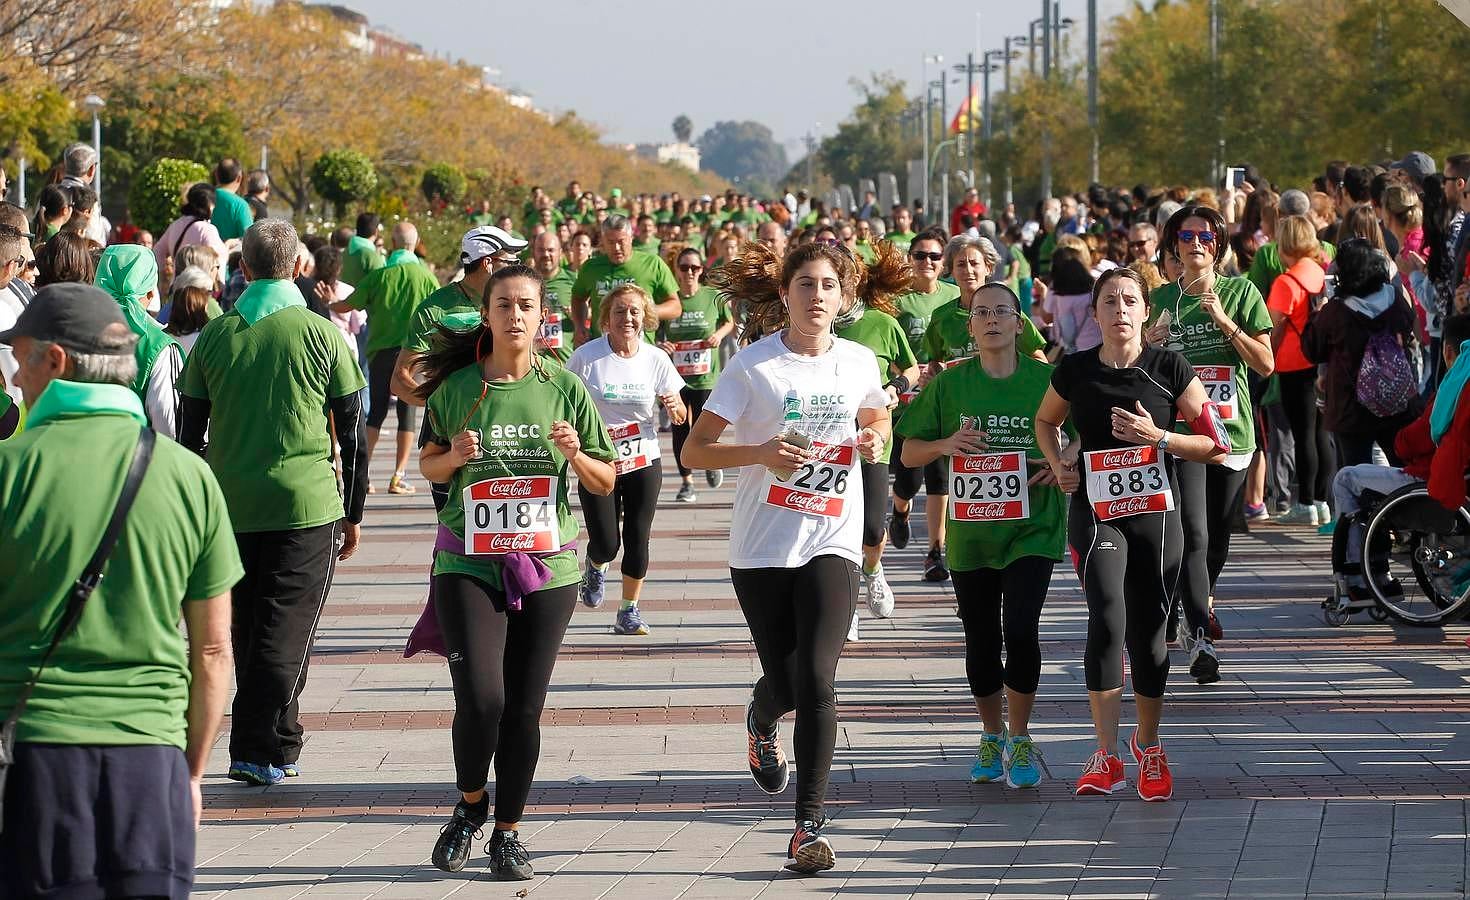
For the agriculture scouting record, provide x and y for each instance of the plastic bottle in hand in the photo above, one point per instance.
(791, 428)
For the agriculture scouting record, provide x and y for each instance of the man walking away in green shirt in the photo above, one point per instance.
(360, 255)
(260, 381)
(232, 215)
(104, 793)
(391, 295)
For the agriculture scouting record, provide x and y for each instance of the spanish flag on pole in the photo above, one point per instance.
(967, 113)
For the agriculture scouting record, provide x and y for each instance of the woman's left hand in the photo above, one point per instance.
(676, 410)
(566, 440)
(870, 443)
(1135, 428)
(1209, 304)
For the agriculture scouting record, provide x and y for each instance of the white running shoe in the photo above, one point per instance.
(852, 630)
(879, 594)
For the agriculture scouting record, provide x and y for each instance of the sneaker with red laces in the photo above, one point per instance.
(1103, 774)
(809, 851)
(1155, 783)
(767, 763)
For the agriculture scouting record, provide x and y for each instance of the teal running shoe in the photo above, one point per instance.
(1023, 759)
(989, 760)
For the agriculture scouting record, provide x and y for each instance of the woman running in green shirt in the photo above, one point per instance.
(693, 342)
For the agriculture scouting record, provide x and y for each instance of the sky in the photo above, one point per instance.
(631, 66)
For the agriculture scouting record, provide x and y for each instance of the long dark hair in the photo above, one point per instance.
(1437, 218)
(450, 350)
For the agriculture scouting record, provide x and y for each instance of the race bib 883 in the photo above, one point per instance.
(1127, 482)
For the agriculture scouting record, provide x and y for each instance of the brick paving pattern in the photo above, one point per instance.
(1328, 762)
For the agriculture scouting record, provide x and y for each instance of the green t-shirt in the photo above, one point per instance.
(900, 239)
(558, 290)
(704, 313)
(599, 276)
(391, 295)
(866, 252)
(514, 421)
(447, 301)
(1267, 265)
(948, 335)
(268, 384)
(123, 676)
(1193, 333)
(1004, 408)
(651, 245)
(916, 309)
(480, 220)
(232, 215)
(360, 258)
(881, 333)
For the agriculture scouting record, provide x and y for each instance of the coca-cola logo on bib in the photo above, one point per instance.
(511, 543)
(520, 487)
(1124, 458)
(1128, 506)
(983, 464)
(813, 503)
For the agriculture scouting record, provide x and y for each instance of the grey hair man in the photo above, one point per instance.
(79, 168)
(258, 192)
(616, 264)
(118, 729)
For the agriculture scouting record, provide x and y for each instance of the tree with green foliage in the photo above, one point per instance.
(443, 184)
(343, 177)
(744, 152)
(683, 129)
(158, 191)
(870, 140)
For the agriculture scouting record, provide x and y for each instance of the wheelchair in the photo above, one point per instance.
(1415, 561)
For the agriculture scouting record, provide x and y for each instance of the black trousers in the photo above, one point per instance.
(1314, 456)
(1209, 499)
(500, 663)
(276, 606)
(798, 619)
(875, 502)
(380, 381)
(632, 503)
(694, 399)
(983, 595)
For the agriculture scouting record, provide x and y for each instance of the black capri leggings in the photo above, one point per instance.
(694, 400)
(500, 663)
(982, 594)
(906, 481)
(1314, 456)
(380, 381)
(1209, 500)
(875, 502)
(1129, 569)
(798, 619)
(634, 499)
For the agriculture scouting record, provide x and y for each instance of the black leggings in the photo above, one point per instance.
(906, 481)
(634, 499)
(1019, 589)
(380, 380)
(500, 663)
(1129, 569)
(694, 400)
(1357, 449)
(1209, 500)
(1314, 456)
(798, 619)
(875, 502)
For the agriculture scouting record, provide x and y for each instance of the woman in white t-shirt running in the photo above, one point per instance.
(806, 406)
(629, 380)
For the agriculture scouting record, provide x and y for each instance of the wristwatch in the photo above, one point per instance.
(1163, 443)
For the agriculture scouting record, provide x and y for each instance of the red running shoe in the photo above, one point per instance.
(1155, 783)
(1103, 774)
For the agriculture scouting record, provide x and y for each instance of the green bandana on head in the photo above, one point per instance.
(127, 272)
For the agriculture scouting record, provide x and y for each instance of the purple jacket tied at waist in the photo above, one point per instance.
(521, 574)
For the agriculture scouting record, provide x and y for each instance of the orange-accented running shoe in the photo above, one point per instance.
(1154, 781)
(1103, 774)
(809, 852)
(767, 763)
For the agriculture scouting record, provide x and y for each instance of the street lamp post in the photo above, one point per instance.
(1092, 89)
(95, 104)
(1046, 48)
(935, 59)
(941, 83)
(1032, 42)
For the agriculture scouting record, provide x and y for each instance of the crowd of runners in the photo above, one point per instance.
(1122, 379)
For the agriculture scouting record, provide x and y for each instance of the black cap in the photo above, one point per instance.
(72, 315)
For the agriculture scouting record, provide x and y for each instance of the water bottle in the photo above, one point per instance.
(791, 428)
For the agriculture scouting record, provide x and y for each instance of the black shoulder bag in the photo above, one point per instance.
(85, 584)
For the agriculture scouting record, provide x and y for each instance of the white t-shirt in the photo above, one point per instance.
(11, 306)
(770, 529)
(625, 389)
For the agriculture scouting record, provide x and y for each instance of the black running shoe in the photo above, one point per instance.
(1204, 665)
(809, 852)
(767, 763)
(898, 530)
(452, 850)
(934, 569)
(509, 860)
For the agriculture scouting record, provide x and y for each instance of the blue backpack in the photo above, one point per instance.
(1386, 384)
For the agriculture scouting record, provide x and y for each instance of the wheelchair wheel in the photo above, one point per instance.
(1335, 617)
(1378, 614)
(1416, 555)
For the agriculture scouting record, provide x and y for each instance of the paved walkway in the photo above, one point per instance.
(1329, 761)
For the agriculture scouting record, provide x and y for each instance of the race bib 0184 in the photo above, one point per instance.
(692, 358)
(511, 515)
(1127, 482)
(637, 446)
(820, 486)
(989, 487)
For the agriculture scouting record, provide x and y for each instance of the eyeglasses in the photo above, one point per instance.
(1000, 313)
(691, 269)
(1189, 237)
(1141, 245)
(932, 257)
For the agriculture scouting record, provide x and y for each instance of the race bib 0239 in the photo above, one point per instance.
(511, 515)
(1127, 481)
(820, 486)
(692, 358)
(989, 487)
(637, 446)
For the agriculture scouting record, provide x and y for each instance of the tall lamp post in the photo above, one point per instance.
(95, 104)
(943, 129)
(969, 67)
(933, 59)
(1092, 89)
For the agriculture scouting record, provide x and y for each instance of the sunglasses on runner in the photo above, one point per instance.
(932, 257)
(689, 268)
(1188, 237)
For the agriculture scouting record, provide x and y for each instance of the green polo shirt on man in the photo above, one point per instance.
(268, 368)
(915, 309)
(599, 276)
(900, 239)
(557, 292)
(122, 677)
(232, 215)
(360, 258)
(651, 245)
(447, 301)
(391, 295)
